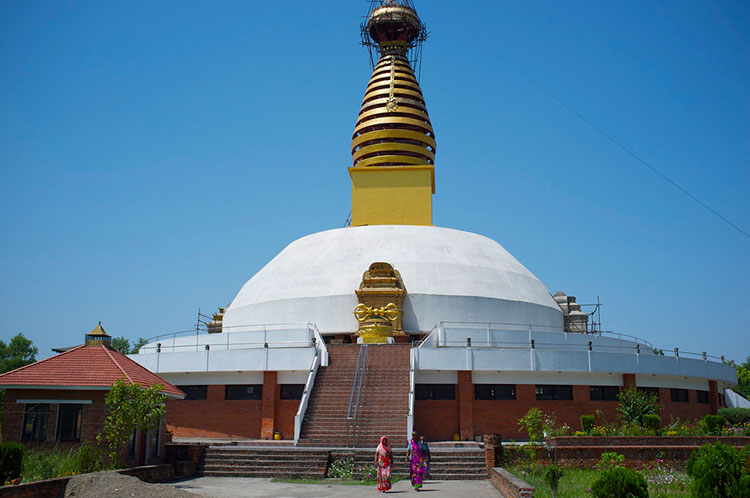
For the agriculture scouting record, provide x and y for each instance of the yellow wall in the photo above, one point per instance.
(395, 195)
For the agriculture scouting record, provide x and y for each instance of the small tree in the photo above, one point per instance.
(533, 424)
(19, 352)
(137, 345)
(131, 408)
(634, 404)
(121, 344)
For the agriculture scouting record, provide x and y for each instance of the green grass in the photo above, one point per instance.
(575, 482)
(46, 463)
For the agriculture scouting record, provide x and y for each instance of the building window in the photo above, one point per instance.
(435, 391)
(553, 392)
(292, 391)
(650, 390)
(35, 422)
(604, 393)
(494, 391)
(244, 391)
(69, 422)
(702, 396)
(679, 395)
(194, 393)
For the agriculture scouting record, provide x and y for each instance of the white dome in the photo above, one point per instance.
(449, 275)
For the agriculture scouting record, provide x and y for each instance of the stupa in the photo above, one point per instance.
(477, 337)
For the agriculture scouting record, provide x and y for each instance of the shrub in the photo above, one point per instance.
(552, 475)
(620, 482)
(634, 404)
(533, 424)
(652, 421)
(610, 461)
(11, 461)
(712, 424)
(736, 416)
(587, 422)
(719, 471)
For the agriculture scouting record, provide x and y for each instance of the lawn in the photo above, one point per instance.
(576, 482)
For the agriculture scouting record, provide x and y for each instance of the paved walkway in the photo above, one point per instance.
(230, 487)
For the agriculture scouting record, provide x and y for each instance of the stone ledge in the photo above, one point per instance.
(509, 485)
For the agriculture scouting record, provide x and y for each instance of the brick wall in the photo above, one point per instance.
(48, 488)
(214, 417)
(91, 421)
(509, 485)
(501, 416)
(217, 417)
(437, 420)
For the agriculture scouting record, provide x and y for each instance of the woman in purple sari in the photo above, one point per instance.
(416, 462)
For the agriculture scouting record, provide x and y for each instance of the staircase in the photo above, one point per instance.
(383, 399)
(236, 461)
(446, 464)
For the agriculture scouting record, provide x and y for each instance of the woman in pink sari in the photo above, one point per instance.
(383, 462)
(416, 462)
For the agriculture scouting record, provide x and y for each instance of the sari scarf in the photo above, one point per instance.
(384, 463)
(416, 465)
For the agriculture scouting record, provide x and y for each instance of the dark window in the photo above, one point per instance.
(69, 422)
(35, 422)
(650, 390)
(604, 393)
(131, 444)
(435, 391)
(702, 396)
(554, 392)
(679, 395)
(292, 391)
(494, 391)
(245, 391)
(194, 393)
(721, 400)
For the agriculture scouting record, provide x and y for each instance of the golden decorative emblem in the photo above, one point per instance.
(379, 327)
(389, 312)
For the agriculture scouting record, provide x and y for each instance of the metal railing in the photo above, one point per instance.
(352, 418)
(436, 338)
(238, 337)
(410, 413)
(304, 401)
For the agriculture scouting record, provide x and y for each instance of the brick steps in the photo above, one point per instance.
(385, 384)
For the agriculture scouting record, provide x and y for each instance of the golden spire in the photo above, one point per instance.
(393, 146)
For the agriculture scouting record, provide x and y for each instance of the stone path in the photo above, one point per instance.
(231, 487)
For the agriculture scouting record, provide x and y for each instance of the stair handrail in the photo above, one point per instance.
(320, 345)
(300, 415)
(351, 396)
(410, 415)
(355, 420)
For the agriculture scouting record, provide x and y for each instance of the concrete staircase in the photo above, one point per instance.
(238, 461)
(383, 401)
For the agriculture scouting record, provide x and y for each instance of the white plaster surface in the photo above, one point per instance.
(448, 275)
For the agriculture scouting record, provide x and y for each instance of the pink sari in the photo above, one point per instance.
(384, 459)
(416, 464)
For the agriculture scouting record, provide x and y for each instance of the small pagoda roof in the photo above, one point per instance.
(87, 368)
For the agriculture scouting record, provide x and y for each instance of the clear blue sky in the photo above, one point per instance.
(155, 155)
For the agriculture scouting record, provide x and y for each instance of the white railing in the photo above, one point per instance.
(274, 335)
(300, 415)
(410, 416)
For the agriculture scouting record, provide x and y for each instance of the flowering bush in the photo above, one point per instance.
(663, 480)
(737, 430)
(341, 468)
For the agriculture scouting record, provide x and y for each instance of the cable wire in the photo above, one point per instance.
(602, 131)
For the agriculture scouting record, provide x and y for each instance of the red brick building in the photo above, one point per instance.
(60, 400)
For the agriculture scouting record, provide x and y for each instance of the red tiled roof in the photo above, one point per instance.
(85, 366)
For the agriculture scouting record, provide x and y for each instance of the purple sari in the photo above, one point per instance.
(416, 465)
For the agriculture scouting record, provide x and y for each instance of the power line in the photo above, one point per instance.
(602, 132)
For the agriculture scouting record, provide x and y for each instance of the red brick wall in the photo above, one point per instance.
(214, 417)
(217, 417)
(91, 422)
(437, 420)
(501, 416)
(692, 410)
